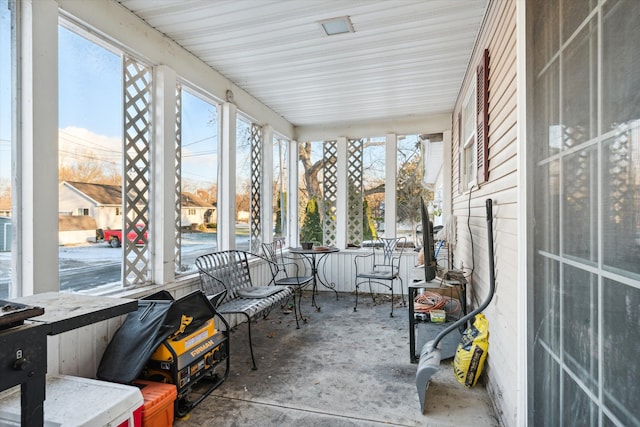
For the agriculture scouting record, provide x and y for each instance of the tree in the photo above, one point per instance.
(368, 227)
(311, 230)
(410, 190)
(278, 220)
(5, 195)
(311, 171)
(408, 183)
(89, 169)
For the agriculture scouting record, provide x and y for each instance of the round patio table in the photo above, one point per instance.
(315, 255)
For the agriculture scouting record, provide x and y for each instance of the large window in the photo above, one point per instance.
(310, 191)
(243, 192)
(365, 182)
(6, 138)
(198, 221)
(373, 187)
(90, 162)
(104, 163)
(280, 158)
(584, 139)
(468, 139)
(410, 187)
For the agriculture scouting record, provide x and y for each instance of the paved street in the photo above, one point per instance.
(95, 264)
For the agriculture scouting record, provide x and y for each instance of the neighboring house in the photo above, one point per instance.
(76, 229)
(196, 211)
(5, 207)
(103, 202)
(5, 234)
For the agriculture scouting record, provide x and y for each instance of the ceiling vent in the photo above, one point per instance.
(333, 26)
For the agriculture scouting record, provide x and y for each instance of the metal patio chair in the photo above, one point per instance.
(381, 266)
(287, 271)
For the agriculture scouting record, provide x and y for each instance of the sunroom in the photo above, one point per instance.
(211, 125)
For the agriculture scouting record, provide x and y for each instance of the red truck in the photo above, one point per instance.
(114, 237)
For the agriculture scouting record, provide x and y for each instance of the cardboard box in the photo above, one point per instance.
(159, 398)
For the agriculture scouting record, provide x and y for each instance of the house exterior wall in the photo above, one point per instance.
(197, 218)
(498, 35)
(71, 200)
(76, 229)
(5, 234)
(107, 218)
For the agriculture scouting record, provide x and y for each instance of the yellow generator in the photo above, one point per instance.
(196, 355)
(171, 341)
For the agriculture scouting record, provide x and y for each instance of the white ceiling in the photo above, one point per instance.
(406, 57)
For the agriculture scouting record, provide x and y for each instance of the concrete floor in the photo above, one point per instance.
(339, 369)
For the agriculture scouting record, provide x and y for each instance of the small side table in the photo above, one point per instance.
(414, 288)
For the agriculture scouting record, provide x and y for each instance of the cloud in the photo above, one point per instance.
(74, 140)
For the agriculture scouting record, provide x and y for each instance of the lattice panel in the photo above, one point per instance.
(579, 184)
(330, 187)
(622, 169)
(354, 191)
(178, 182)
(256, 185)
(137, 160)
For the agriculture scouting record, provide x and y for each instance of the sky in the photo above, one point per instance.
(90, 91)
(90, 111)
(90, 108)
(5, 93)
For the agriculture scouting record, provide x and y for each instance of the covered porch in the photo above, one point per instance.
(342, 369)
(327, 121)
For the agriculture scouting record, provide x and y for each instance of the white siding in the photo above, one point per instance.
(79, 351)
(498, 34)
(70, 201)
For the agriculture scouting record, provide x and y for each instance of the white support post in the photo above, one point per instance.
(163, 183)
(390, 193)
(266, 198)
(36, 178)
(342, 192)
(227, 178)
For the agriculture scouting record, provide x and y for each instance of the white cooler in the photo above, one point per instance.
(74, 401)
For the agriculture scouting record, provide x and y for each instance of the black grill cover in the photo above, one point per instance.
(158, 316)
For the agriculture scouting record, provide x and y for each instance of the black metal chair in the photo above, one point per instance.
(381, 266)
(286, 271)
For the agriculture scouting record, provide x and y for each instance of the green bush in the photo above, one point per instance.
(311, 230)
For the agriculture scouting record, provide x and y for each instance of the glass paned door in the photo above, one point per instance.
(583, 139)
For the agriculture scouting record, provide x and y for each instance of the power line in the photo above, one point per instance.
(200, 153)
(199, 140)
(84, 156)
(92, 147)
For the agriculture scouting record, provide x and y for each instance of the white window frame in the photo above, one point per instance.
(469, 140)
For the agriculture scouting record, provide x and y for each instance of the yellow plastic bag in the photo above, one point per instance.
(471, 352)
